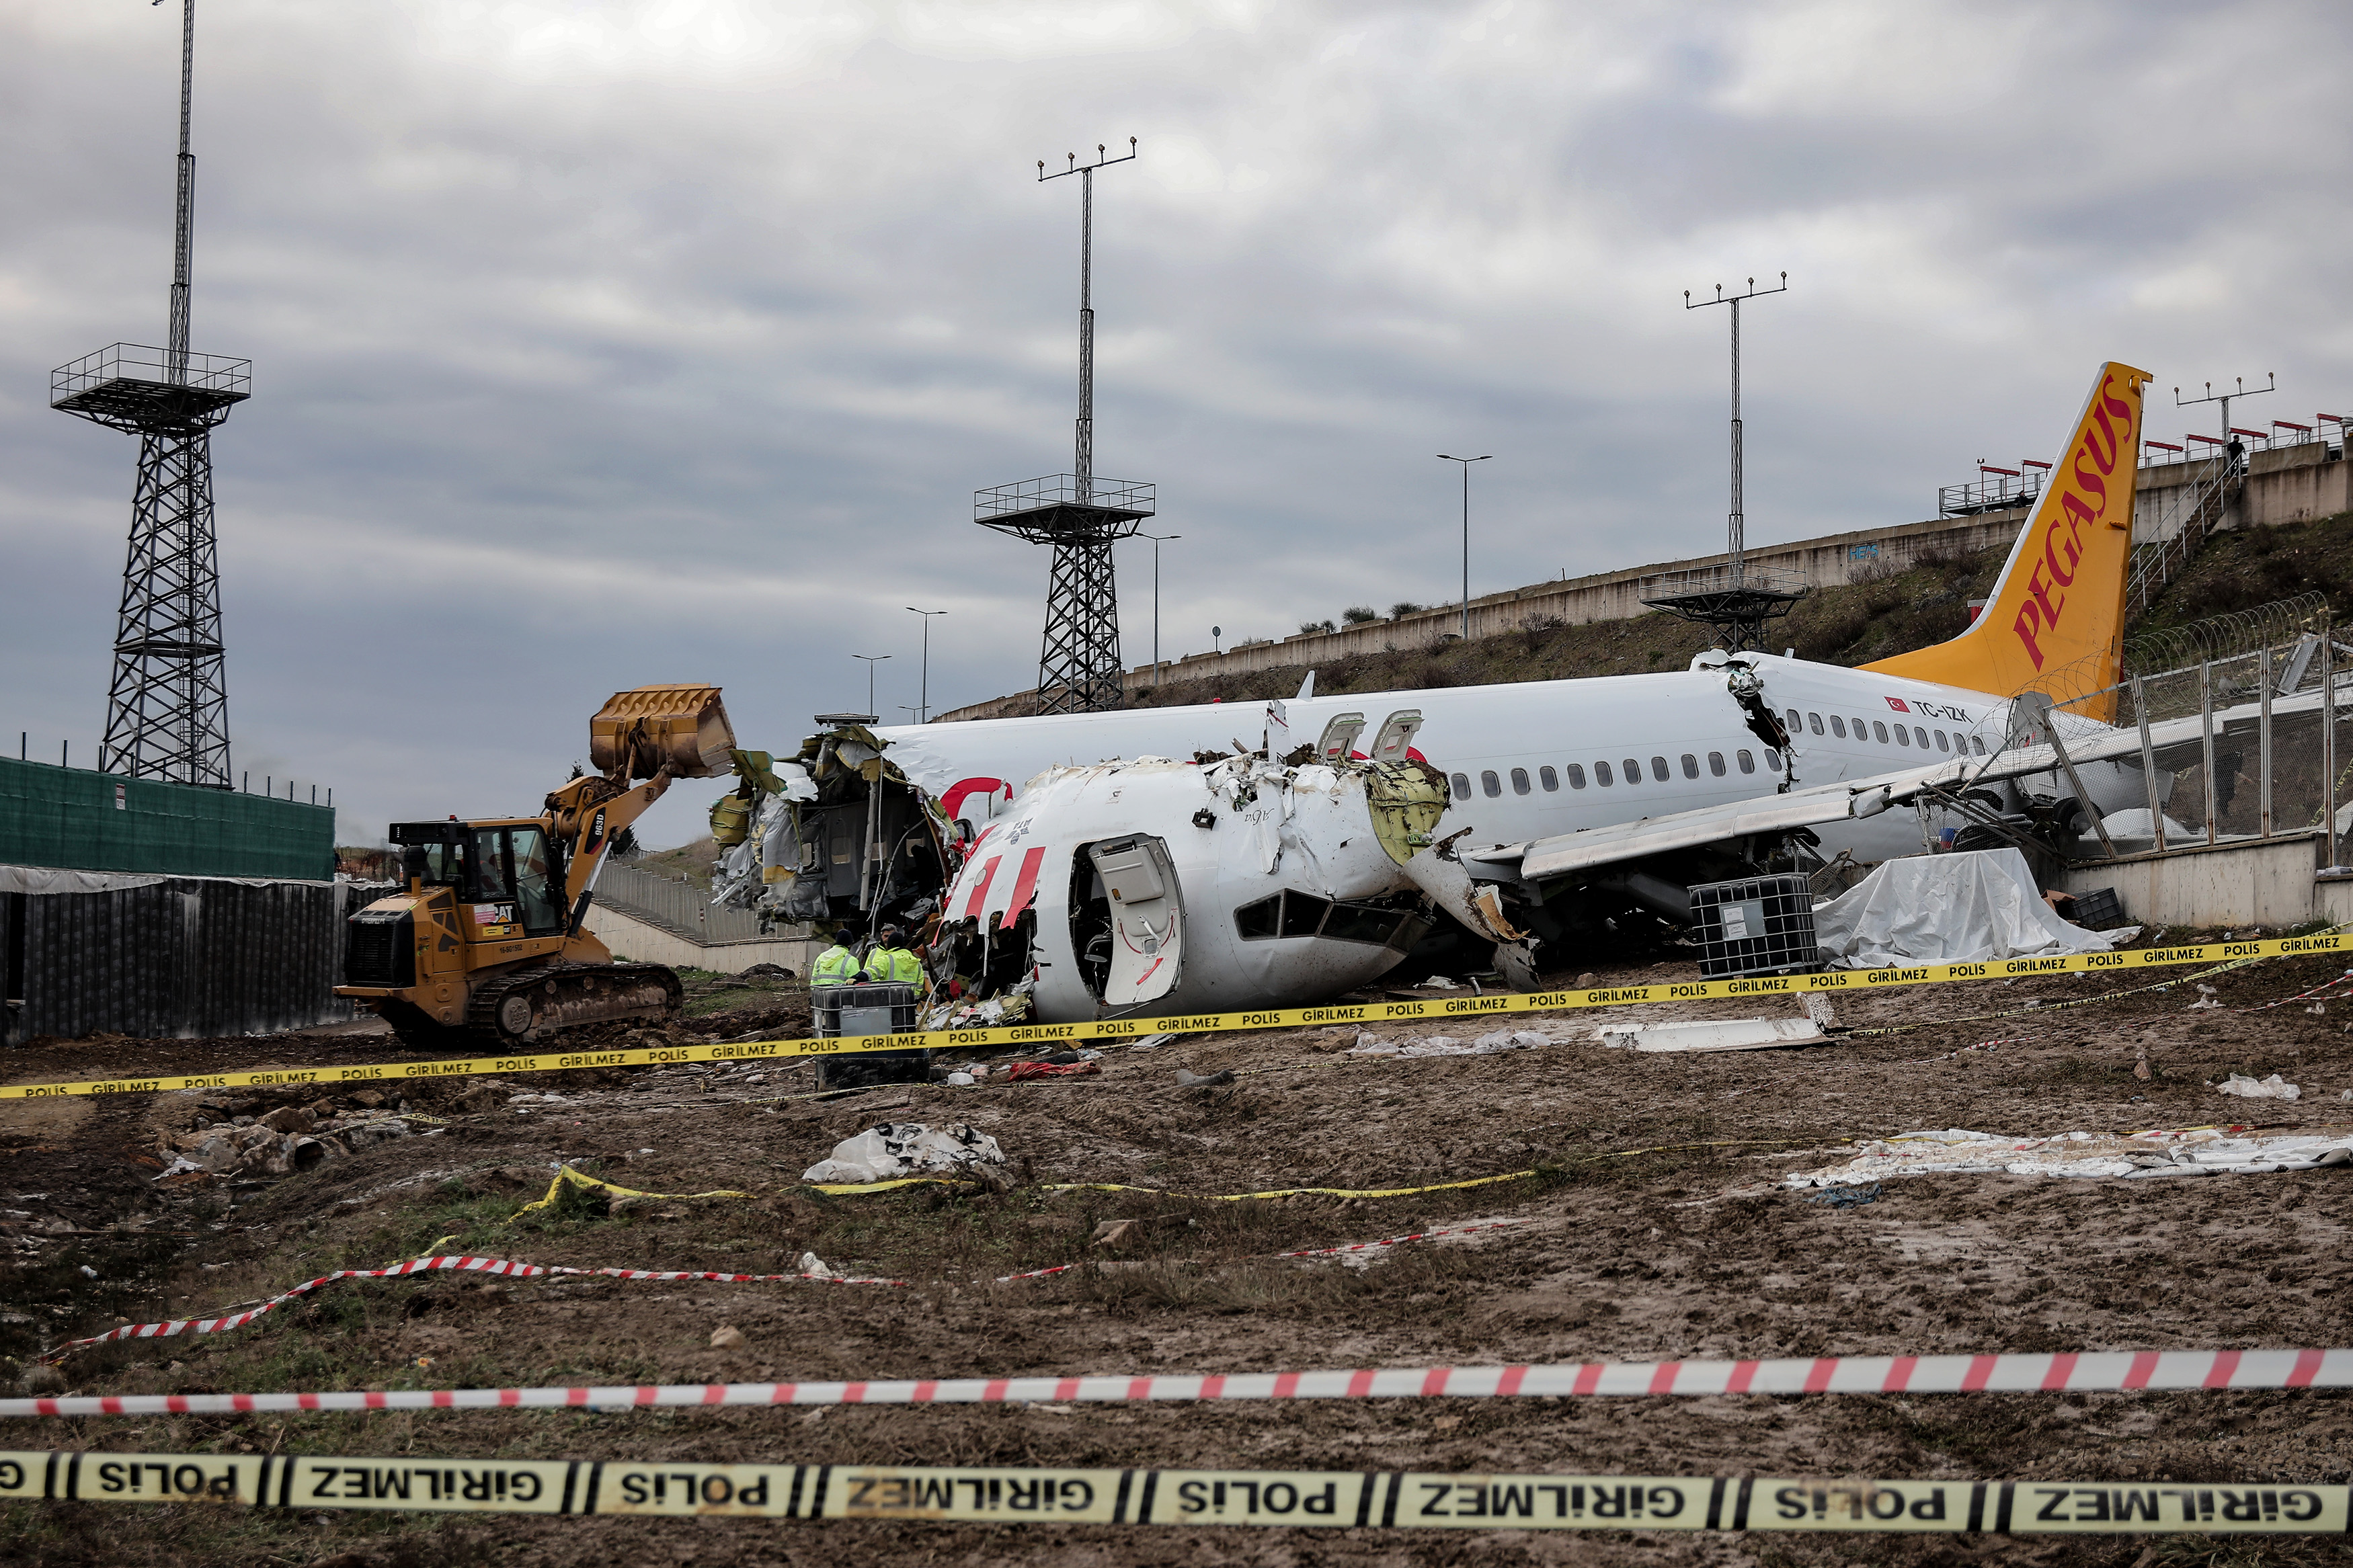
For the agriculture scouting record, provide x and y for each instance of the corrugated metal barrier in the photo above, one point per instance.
(182, 958)
(87, 821)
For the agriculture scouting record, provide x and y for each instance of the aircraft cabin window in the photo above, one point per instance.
(1923, 736)
(1797, 722)
(1549, 779)
(1601, 774)
(1862, 730)
(1715, 764)
(1942, 743)
(1691, 766)
(1979, 742)
(1659, 769)
(1879, 730)
(1772, 760)
(1633, 770)
(1519, 781)
(1463, 786)
(1901, 738)
(1576, 775)
(1838, 726)
(1817, 723)
(1490, 783)
(1747, 763)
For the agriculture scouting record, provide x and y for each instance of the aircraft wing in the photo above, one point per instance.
(1542, 858)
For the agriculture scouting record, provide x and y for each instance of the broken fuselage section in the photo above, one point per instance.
(1155, 887)
(835, 837)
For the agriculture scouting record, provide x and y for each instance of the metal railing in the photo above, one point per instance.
(2000, 490)
(679, 907)
(2192, 513)
(144, 362)
(1718, 579)
(2266, 755)
(1062, 490)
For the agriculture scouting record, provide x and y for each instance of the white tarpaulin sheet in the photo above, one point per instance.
(2200, 1151)
(1948, 909)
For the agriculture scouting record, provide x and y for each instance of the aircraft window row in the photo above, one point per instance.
(1947, 742)
(1491, 783)
(1294, 913)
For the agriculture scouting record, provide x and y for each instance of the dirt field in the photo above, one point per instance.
(1688, 1249)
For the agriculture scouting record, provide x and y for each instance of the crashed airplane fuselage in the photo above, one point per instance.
(1157, 887)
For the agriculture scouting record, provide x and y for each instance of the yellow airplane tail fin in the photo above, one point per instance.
(2055, 620)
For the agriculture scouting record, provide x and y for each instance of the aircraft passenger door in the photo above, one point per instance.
(1397, 734)
(1147, 912)
(1340, 737)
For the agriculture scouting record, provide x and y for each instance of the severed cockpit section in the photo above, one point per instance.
(835, 838)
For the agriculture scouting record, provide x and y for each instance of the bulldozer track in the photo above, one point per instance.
(565, 995)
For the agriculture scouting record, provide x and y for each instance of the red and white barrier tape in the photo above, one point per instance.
(491, 1266)
(2067, 1372)
(509, 1268)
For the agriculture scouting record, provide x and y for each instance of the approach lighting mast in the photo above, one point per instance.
(167, 703)
(2223, 443)
(1080, 515)
(1735, 599)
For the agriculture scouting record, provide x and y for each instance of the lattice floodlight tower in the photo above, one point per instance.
(1080, 516)
(1735, 599)
(167, 706)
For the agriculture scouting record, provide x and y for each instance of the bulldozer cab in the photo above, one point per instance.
(507, 876)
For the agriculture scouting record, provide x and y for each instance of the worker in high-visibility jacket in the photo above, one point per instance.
(836, 965)
(891, 963)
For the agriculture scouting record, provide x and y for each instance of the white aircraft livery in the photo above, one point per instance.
(1539, 759)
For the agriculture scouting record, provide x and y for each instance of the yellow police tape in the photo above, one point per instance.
(565, 1174)
(1500, 1005)
(1313, 1498)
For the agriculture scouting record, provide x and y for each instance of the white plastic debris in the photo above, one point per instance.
(2271, 1087)
(1448, 1045)
(2197, 1152)
(814, 1266)
(1440, 983)
(897, 1149)
(961, 1080)
(1713, 1035)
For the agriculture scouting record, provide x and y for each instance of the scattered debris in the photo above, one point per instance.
(897, 1149)
(1203, 1080)
(1713, 1035)
(2198, 1152)
(815, 1267)
(2271, 1087)
(1440, 983)
(1448, 1045)
(1023, 1072)
(1114, 1232)
(726, 1338)
(1845, 1197)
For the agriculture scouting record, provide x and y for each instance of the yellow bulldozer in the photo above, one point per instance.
(488, 947)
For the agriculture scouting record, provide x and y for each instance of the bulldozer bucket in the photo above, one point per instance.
(683, 726)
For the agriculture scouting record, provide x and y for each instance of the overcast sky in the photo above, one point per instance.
(599, 345)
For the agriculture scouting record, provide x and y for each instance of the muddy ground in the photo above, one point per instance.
(1688, 1250)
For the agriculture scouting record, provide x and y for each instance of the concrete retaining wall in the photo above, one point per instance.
(2264, 882)
(642, 943)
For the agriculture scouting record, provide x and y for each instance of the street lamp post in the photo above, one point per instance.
(925, 697)
(1158, 540)
(1466, 463)
(872, 661)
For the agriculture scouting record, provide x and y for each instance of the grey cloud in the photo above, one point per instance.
(598, 345)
